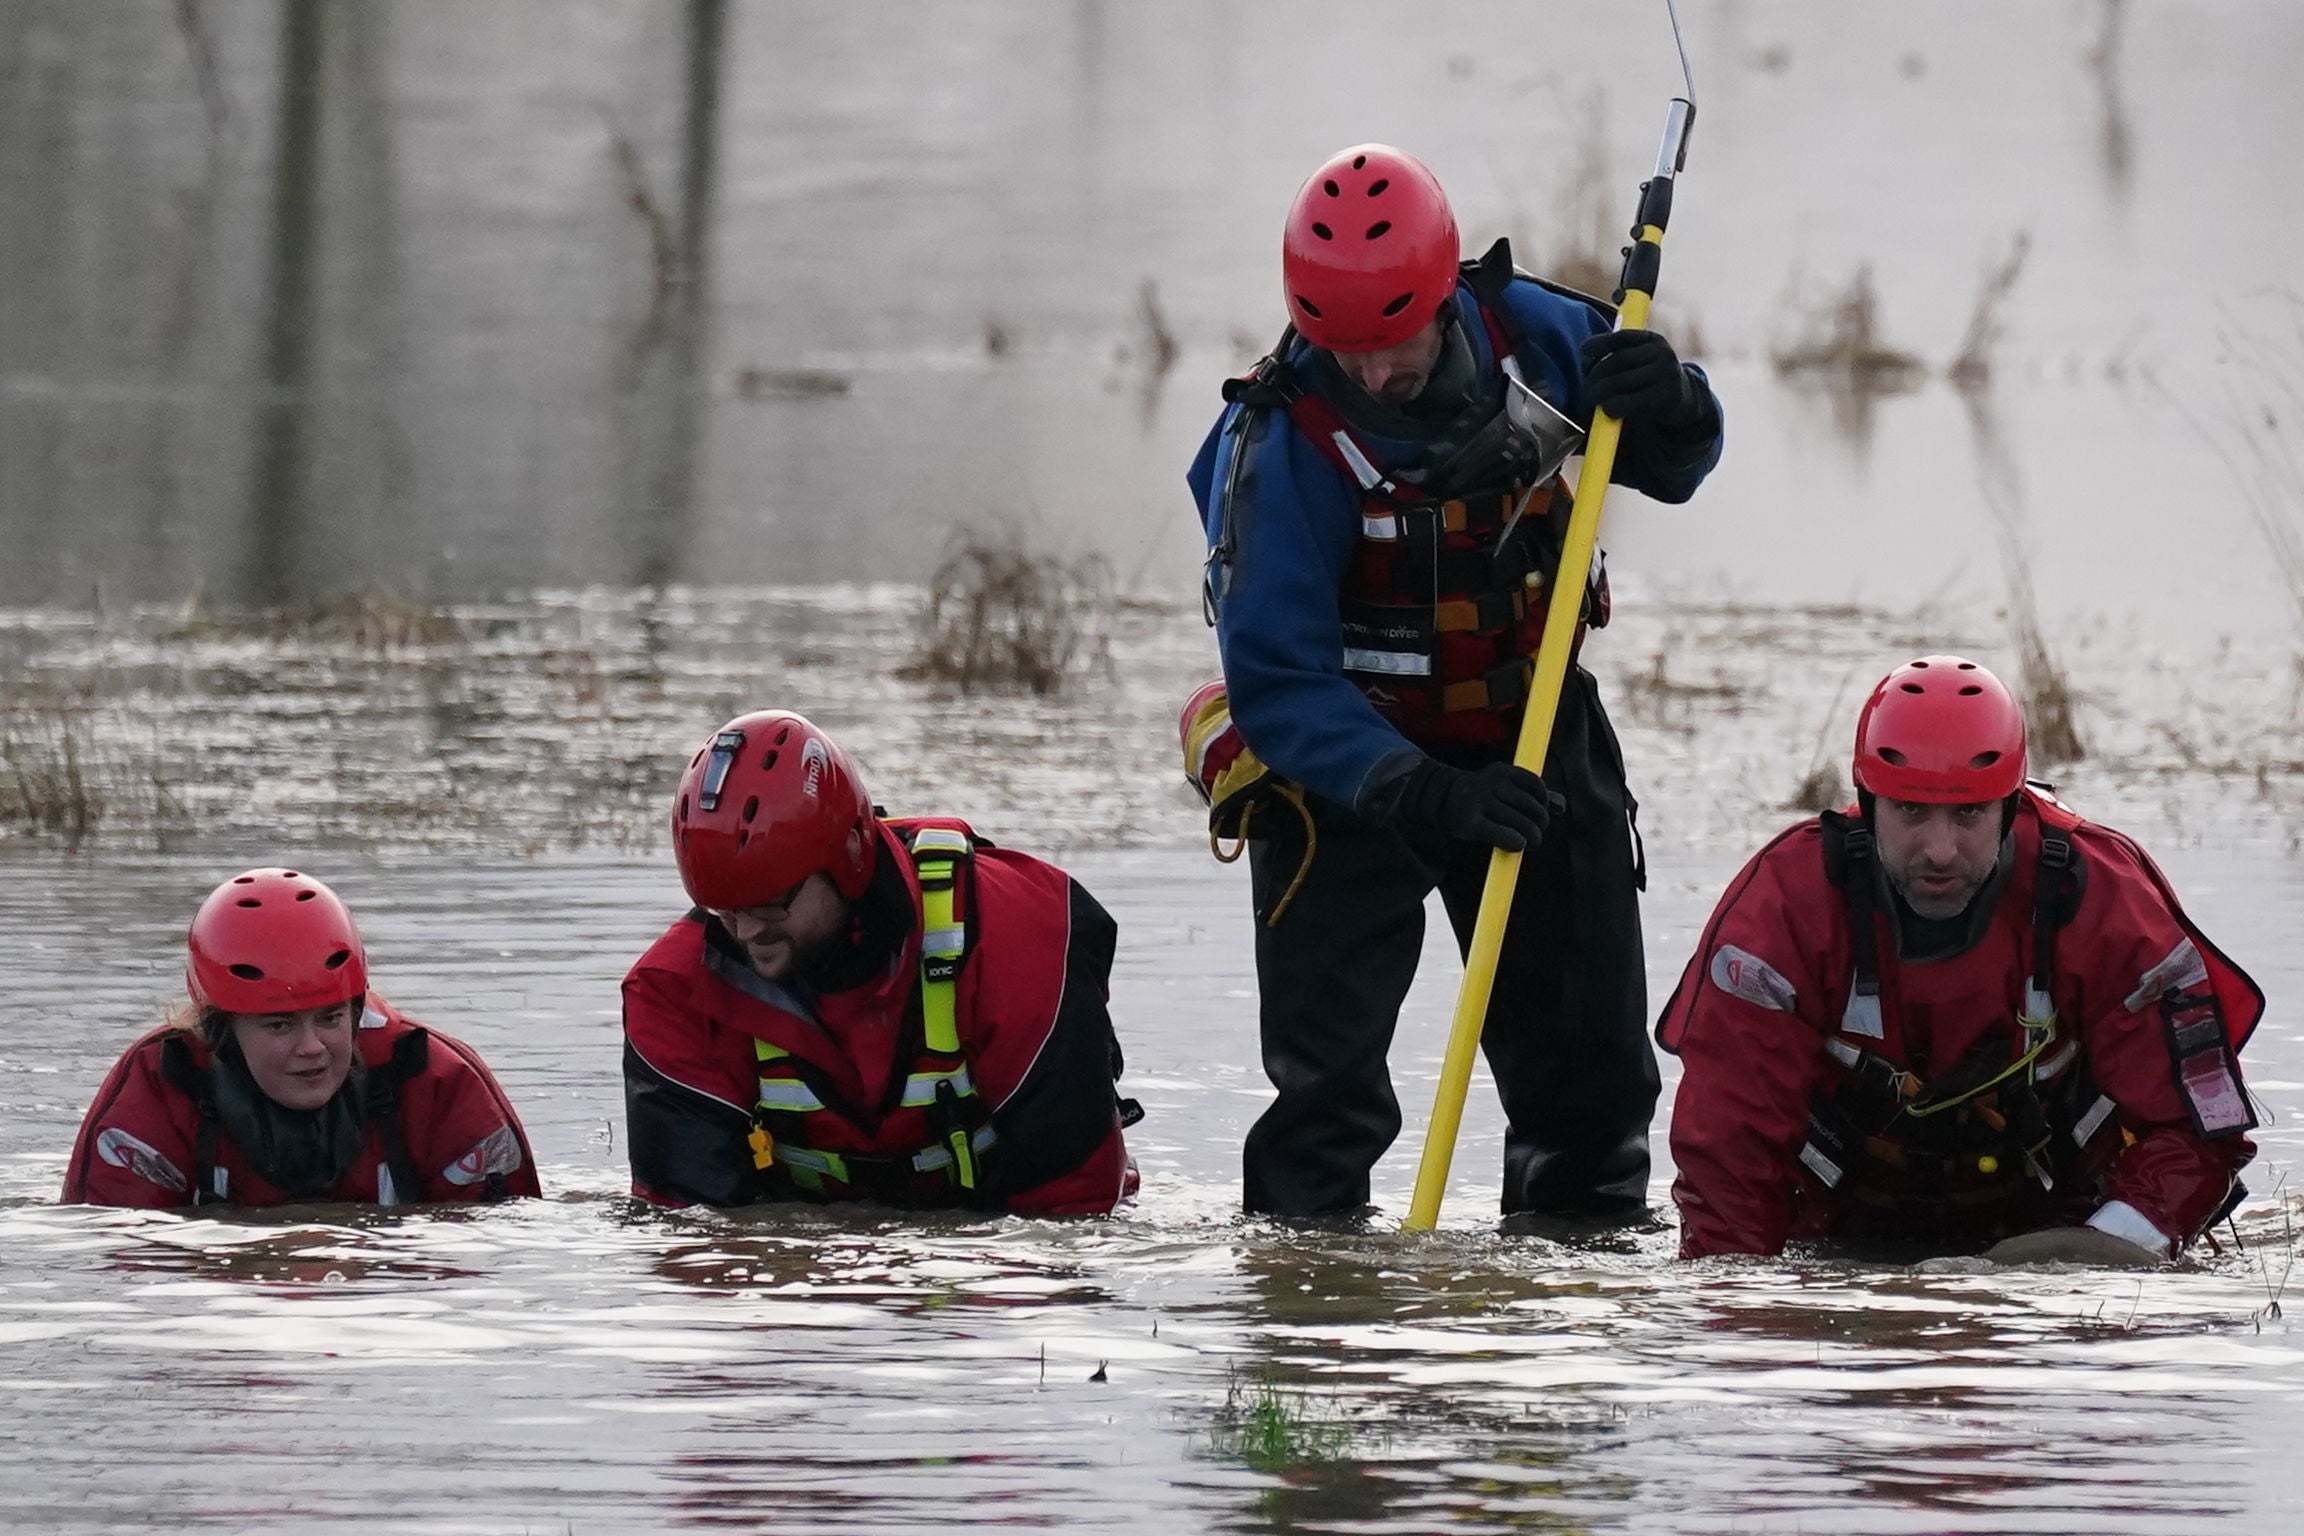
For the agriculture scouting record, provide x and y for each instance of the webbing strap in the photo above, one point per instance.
(920, 1089)
(937, 852)
(930, 1159)
(779, 1090)
(1862, 1015)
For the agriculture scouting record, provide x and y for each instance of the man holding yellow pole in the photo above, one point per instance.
(1385, 519)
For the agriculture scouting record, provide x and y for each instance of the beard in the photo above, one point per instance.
(1941, 891)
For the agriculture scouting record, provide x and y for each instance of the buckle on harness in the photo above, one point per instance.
(1503, 687)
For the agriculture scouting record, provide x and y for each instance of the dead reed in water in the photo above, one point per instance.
(370, 619)
(1971, 366)
(62, 773)
(1842, 343)
(44, 785)
(1003, 617)
(2050, 722)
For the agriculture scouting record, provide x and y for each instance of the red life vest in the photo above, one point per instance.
(1444, 599)
(1958, 1103)
(438, 1127)
(920, 1136)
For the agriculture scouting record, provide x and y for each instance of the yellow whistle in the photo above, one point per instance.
(763, 1148)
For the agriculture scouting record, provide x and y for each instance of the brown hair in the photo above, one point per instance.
(207, 1025)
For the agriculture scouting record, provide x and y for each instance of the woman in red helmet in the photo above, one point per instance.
(1384, 513)
(865, 1009)
(1960, 1019)
(288, 1080)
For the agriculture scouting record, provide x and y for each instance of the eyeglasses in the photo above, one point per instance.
(760, 912)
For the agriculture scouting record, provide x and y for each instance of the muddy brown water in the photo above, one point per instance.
(579, 1364)
(437, 358)
(913, 253)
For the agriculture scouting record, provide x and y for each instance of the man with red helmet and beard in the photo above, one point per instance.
(1960, 1019)
(1384, 513)
(866, 1009)
(288, 1080)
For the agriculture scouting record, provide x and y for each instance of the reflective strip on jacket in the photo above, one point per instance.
(1030, 1017)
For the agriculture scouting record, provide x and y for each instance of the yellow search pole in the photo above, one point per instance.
(1636, 290)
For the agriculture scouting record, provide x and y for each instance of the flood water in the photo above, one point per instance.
(581, 1364)
(653, 349)
(617, 291)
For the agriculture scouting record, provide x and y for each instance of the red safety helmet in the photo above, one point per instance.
(1940, 731)
(1371, 250)
(768, 801)
(273, 941)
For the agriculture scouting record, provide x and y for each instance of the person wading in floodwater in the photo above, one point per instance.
(1960, 1018)
(866, 1009)
(1384, 515)
(288, 1080)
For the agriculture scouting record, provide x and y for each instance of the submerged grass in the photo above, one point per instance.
(1273, 1428)
(369, 619)
(560, 722)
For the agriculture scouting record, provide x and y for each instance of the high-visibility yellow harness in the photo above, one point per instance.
(939, 1082)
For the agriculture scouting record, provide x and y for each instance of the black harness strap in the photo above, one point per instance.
(1859, 883)
(409, 1057)
(180, 1072)
(1266, 387)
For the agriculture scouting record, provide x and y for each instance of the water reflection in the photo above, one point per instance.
(375, 304)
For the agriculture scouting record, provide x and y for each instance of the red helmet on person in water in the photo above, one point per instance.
(1370, 252)
(273, 941)
(766, 802)
(1940, 731)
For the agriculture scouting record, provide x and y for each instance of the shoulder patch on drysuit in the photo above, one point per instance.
(2181, 968)
(1740, 973)
(497, 1153)
(123, 1150)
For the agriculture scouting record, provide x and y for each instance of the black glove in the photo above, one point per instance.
(1500, 805)
(1635, 376)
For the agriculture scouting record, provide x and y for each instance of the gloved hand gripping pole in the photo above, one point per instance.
(1643, 260)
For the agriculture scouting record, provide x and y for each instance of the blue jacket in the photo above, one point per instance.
(1277, 621)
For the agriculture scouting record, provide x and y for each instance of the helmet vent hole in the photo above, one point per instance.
(682, 813)
(1970, 691)
(1323, 231)
(1359, 162)
(335, 962)
(743, 836)
(1913, 688)
(289, 874)
(1397, 305)
(306, 895)
(769, 761)
(1892, 757)
(247, 972)
(248, 901)
(1308, 306)
(1331, 189)
(783, 735)
(1983, 759)
(243, 879)
(1378, 229)
(751, 808)
(1376, 187)
(1966, 666)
